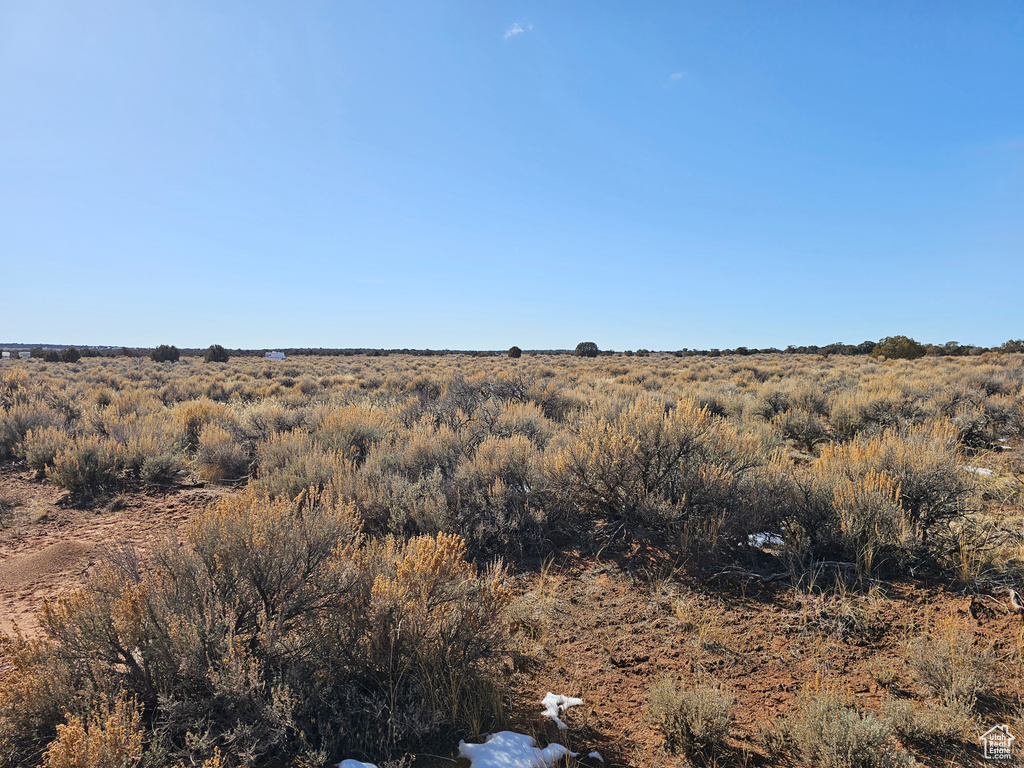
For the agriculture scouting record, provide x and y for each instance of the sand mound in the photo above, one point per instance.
(62, 556)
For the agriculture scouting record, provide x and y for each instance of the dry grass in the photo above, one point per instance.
(696, 720)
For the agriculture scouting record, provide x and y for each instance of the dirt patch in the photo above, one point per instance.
(58, 558)
(47, 548)
(607, 630)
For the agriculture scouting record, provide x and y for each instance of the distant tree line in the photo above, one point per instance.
(890, 348)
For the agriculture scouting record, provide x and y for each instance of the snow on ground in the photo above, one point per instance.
(555, 704)
(979, 471)
(508, 749)
(762, 540)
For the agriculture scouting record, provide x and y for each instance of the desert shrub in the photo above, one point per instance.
(289, 463)
(810, 398)
(277, 632)
(899, 347)
(771, 404)
(805, 429)
(15, 386)
(165, 354)
(149, 452)
(392, 503)
(36, 691)
(219, 458)
(259, 421)
(352, 431)
(696, 719)
(490, 497)
(41, 447)
(70, 355)
(435, 620)
(515, 352)
(425, 448)
(89, 466)
(459, 401)
(973, 427)
(524, 419)
(871, 523)
(500, 418)
(110, 738)
(21, 416)
(952, 665)
(871, 412)
(648, 466)
(192, 416)
(892, 497)
(931, 724)
(215, 353)
(825, 732)
(555, 402)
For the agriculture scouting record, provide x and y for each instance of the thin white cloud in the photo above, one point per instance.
(677, 76)
(516, 29)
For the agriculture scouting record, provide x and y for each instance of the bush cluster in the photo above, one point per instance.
(826, 731)
(277, 632)
(216, 354)
(165, 354)
(514, 461)
(696, 720)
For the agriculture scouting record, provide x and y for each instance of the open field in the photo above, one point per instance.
(731, 560)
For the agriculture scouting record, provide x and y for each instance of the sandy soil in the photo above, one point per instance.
(48, 547)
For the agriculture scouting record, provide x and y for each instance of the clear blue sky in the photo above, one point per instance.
(477, 175)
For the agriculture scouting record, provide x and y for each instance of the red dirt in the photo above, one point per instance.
(49, 548)
(617, 626)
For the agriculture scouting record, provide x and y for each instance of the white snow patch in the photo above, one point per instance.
(555, 704)
(355, 764)
(597, 756)
(761, 540)
(511, 750)
(979, 471)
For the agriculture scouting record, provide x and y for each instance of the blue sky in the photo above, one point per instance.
(477, 175)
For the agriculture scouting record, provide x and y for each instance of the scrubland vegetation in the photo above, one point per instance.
(356, 593)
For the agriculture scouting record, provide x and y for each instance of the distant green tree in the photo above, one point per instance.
(515, 352)
(51, 356)
(165, 354)
(216, 354)
(586, 349)
(38, 352)
(1013, 345)
(899, 348)
(643, 352)
(70, 355)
